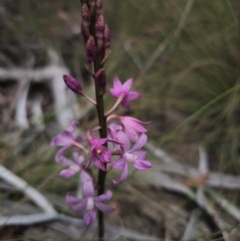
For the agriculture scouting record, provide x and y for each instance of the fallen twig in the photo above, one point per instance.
(29, 191)
(218, 180)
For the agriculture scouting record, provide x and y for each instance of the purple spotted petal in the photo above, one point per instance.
(90, 217)
(105, 155)
(99, 164)
(97, 142)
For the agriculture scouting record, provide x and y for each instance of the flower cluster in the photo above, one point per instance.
(126, 136)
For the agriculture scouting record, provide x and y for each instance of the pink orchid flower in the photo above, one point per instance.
(89, 203)
(123, 92)
(134, 156)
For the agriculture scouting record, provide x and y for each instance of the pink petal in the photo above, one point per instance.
(114, 93)
(84, 176)
(80, 206)
(88, 188)
(142, 164)
(123, 138)
(90, 217)
(89, 163)
(138, 126)
(66, 162)
(103, 207)
(59, 158)
(62, 139)
(141, 154)
(127, 85)
(134, 123)
(119, 164)
(104, 197)
(125, 104)
(71, 200)
(117, 88)
(132, 95)
(99, 164)
(140, 142)
(131, 133)
(123, 176)
(117, 83)
(73, 127)
(80, 160)
(67, 173)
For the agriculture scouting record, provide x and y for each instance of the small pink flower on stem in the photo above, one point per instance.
(89, 203)
(73, 166)
(99, 154)
(123, 94)
(132, 126)
(135, 156)
(67, 139)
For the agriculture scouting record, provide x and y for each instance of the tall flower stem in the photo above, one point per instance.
(103, 134)
(102, 123)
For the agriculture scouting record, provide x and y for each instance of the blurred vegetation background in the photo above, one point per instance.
(184, 57)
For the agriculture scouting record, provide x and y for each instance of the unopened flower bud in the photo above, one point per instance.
(90, 49)
(106, 37)
(100, 79)
(106, 44)
(86, 15)
(72, 83)
(99, 27)
(98, 7)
